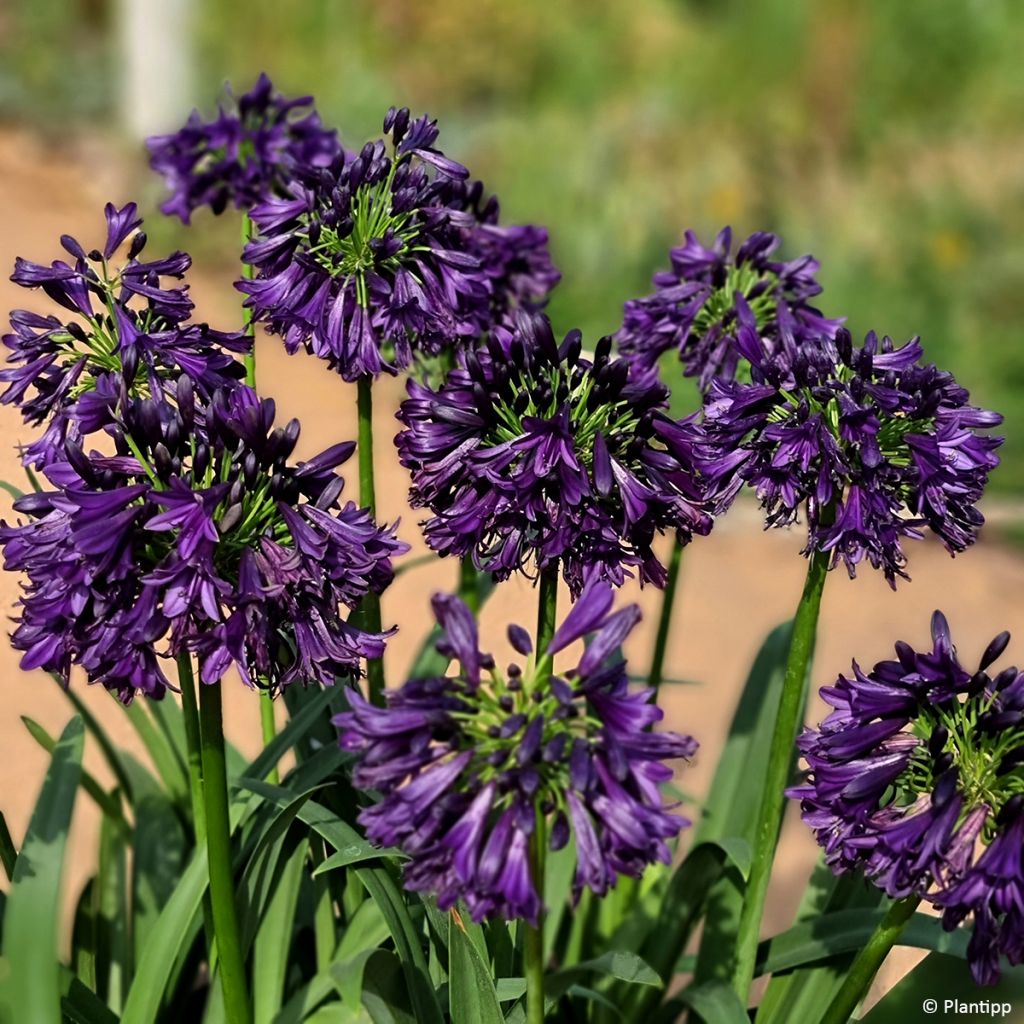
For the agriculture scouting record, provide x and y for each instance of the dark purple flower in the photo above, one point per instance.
(870, 443)
(695, 307)
(367, 259)
(529, 454)
(198, 535)
(124, 328)
(514, 258)
(919, 765)
(468, 767)
(246, 154)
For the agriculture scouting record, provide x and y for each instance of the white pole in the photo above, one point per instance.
(156, 64)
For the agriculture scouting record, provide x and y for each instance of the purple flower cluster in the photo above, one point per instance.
(696, 305)
(124, 326)
(919, 765)
(513, 257)
(870, 442)
(198, 536)
(244, 155)
(475, 769)
(530, 454)
(367, 257)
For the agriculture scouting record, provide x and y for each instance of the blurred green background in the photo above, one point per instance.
(887, 138)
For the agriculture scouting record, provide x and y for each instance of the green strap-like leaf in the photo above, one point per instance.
(715, 1002)
(846, 931)
(382, 888)
(472, 998)
(273, 943)
(30, 941)
(8, 854)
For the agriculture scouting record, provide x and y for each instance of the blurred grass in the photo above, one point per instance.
(887, 139)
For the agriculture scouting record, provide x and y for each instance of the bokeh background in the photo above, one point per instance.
(886, 138)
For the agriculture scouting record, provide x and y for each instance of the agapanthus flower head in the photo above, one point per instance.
(916, 778)
(244, 155)
(198, 535)
(695, 310)
(530, 455)
(123, 326)
(514, 257)
(368, 259)
(870, 443)
(476, 767)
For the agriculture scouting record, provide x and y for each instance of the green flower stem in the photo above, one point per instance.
(218, 850)
(780, 758)
(547, 603)
(533, 943)
(193, 745)
(667, 603)
(269, 729)
(190, 710)
(248, 326)
(469, 590)
(869, 959)
(267, 723)
(369, 609)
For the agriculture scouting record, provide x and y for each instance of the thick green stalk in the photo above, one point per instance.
(469, 589)
(193, 743)
(869, 959)
(547, 603)
(667, 603)
(369, 609)
(269, 729)
(248, 327)
(533, 941)
(218, 849)
(267, 725)
(780, 758)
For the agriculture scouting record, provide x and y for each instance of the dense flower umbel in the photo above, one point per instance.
(870, 442)
(514, 257)
(245, 154)
(197, 535)
(121, 320)
(530, 454)
(694, 308)
(367, 259)
(469, 766)
(917, 778)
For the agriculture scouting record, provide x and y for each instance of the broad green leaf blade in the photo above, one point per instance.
(110, 753)
(108, 803)
(802, 992)
(33, 906)
(472, 998)
(846, 931)
(733, 805)
(684, 901)
(160, 854)
(85, 936)
(162, 754)
(114, 955)
(947, 980)
(382, 888)
(715, 1002)
(8, 854)
(273, 943)
(355, 853)
(174, 929)
(78, 1005)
